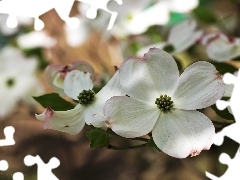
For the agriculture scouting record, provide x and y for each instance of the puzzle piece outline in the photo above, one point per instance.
(63, 9)
(230, 131)
(34, 9)
(91, 13)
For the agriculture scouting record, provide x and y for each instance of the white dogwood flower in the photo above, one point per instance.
(132, 18)
(221, 48)
(181, 37)
(78, 85)
(164, 103)
(18, 81)
(55, 74)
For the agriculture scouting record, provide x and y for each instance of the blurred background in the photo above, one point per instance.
(25, 53)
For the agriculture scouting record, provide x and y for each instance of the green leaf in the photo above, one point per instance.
(54, 101)
(205, 15)
(135, 46)
(98, 138)
(176, 18)
(152, 144)
(37, 52)
(224, 67)
(225, 114)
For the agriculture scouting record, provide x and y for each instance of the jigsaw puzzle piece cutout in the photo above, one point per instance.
(44, 171)
(36, 8)
(230, 149)
(28, 8)
(3, 165)
(233, 167)
(8, 133)
(232, 131)
(95, 5)
(63, 9)
(18, 176)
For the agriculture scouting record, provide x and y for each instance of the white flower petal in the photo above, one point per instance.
(129, 117)
(136, 25)
(183, 6)
(190, 40)
(71, 121)
(112, 88)
(199, 86)
(54, 78)
(55, 74)
(182, 133)
(7, 104)
(184, 35)
(75, 82)
(82, 66)
(183, 28)
(221, 48)
(35, 39)
(146, 78)
(94, 115)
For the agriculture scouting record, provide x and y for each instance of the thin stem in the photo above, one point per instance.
(222, 123)
(126, 147)
(140, 139)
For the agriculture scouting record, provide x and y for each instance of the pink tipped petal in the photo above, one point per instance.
(222, 48)
(55, 74)
(129, 117)
(183, 133)
(184, 35)
(75, 82)
(142, 79)
(82, 66)
(51, 74)
(71, 121)
(181, 30)
(190, 40)
(199, 86)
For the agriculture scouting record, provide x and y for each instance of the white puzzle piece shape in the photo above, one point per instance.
(231, 131)
(34, 9)
(8, 132)
(44, 171)
(18, 176)
(95, 5)
(3, 165)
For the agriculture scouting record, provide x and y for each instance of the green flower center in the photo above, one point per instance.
(169, 48)
(86, 97)
(164, 103)
(129, 17)
(10, 82)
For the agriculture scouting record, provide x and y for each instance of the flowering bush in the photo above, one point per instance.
(151, 81)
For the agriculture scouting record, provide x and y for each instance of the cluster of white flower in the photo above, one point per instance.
(219, 47)
(132, 18)
(145, 95)
(18, 80)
